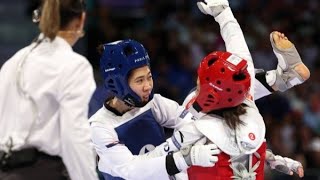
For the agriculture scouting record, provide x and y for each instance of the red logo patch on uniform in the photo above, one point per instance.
(252, 136)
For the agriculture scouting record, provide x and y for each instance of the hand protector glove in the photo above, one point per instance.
(212, 7)
(162, 149)
(200, 154)
(283, 164)
(204, 155)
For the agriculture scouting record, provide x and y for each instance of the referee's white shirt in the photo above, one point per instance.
(61, 83)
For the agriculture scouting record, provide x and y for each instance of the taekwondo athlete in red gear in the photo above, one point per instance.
(242, 172)
(254, 164)
(224, 85)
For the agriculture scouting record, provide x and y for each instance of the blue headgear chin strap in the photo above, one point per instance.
(119, 58)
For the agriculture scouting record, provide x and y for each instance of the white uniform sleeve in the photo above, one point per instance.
(167, 112)
(117, 160)
(235, 41)
(74, 95)
(260, 90)
(186, 135)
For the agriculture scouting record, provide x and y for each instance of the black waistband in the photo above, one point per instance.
(23, 157)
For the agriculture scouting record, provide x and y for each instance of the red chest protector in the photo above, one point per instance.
(222, 169)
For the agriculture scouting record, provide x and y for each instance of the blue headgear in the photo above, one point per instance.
(116, 62)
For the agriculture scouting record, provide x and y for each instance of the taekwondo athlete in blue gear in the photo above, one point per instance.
(132, 119)
(123, 58)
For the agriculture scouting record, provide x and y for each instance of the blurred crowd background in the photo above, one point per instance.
(178, 36)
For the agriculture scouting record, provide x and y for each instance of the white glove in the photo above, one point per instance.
(200, 154)
(284, 164)
(197, 155)
(204, 155)
(161, 150)
(212, 7)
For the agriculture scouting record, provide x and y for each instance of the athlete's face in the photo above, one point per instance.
(141, 82)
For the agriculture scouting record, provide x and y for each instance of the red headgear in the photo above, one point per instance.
(224, 81)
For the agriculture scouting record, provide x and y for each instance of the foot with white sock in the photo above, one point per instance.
(283, 43)
(291, 70)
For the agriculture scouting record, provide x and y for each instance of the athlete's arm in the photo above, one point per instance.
(230, 31)
(118, 161)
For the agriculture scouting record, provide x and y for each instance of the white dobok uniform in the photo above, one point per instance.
(118, 139)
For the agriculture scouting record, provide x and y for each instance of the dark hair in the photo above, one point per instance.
(57, 14)
(231, 115)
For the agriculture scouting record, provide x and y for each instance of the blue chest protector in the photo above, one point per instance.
(137, 133)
